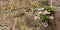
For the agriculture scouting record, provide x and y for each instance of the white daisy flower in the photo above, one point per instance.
(36, 17)
(40, 12)
(51, 17)
(40, 9)
(36, 14)
(45, 24)
(46, 12)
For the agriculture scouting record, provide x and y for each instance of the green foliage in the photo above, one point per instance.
(48, 8)
(45, 18)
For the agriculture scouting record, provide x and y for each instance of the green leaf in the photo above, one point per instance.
(48, 8)
(45, 18)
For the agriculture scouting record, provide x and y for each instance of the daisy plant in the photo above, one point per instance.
(46, 16)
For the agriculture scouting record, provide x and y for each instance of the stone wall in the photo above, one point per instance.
(13, 14)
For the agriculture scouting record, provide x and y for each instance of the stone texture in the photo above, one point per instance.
(13, 15)
(57, 18)
(56, 3)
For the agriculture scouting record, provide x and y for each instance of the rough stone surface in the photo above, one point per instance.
(56, 3)
(13, 15)
(57, 18)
